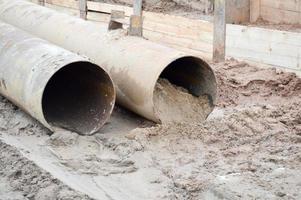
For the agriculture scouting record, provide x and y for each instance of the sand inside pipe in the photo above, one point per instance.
(174, 104)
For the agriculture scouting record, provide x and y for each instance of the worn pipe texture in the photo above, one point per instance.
(134, 64)
(58, 88)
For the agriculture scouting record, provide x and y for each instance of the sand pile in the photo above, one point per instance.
(248, 152)
(242, 84)
(176, 104)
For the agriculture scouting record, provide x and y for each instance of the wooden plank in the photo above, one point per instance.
(279, 11)
(170, 30)
(197, 44)
(262, 34)
(184, 42)
(202, 54)
(238, 11)
(219, 37)
(69, 11)
(154, 17)
(288, 5)
(255, 6)
(107, 8)
(280, 48)
(246, 54)
(263, 45)
(279, 16)
(172, 36)
(184, 32)
(168, 24)
(99, 17)
(165, 23)
(65, 3)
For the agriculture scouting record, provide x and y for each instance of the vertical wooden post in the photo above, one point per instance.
(300, 13)
(136, 20)
(219, 38)
(209, 6)
(255, 10)
(138, 7)
(83, 10)
(42, 2)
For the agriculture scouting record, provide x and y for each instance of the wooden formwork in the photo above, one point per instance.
(276, 11)
(260, 45)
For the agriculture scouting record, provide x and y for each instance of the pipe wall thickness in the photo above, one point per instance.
(53, 85)
(135, 64)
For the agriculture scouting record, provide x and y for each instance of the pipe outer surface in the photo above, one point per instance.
(52, 84)
(135, 64)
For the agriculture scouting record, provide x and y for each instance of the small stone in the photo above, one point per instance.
(280, 194)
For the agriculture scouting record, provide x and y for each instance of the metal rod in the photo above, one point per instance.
(134, 63)
(219, 38)
(53, 85)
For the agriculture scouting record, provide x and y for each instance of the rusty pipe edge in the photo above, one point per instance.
(134, 63)
(53, 85)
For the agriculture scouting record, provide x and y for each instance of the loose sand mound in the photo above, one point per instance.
(175, 104)
(248, 148)
(242, 84)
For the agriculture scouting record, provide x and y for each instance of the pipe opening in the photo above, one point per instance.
(79, 97)
(185, 91)
(193, 74)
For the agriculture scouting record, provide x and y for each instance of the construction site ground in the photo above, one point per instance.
(248, 148)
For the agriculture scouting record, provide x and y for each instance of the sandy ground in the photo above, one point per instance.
(194, 9)
(21, 179)
(248, 148)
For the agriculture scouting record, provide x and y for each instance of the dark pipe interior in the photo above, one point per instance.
(193, 74)
(78, 97)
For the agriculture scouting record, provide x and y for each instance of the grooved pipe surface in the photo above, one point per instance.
(53, 85)
(135, 64)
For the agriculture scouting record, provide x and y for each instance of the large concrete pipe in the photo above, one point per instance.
(53, 85)
(135, 64)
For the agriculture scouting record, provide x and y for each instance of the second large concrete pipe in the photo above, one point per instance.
(53, 85)
(135, 64)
